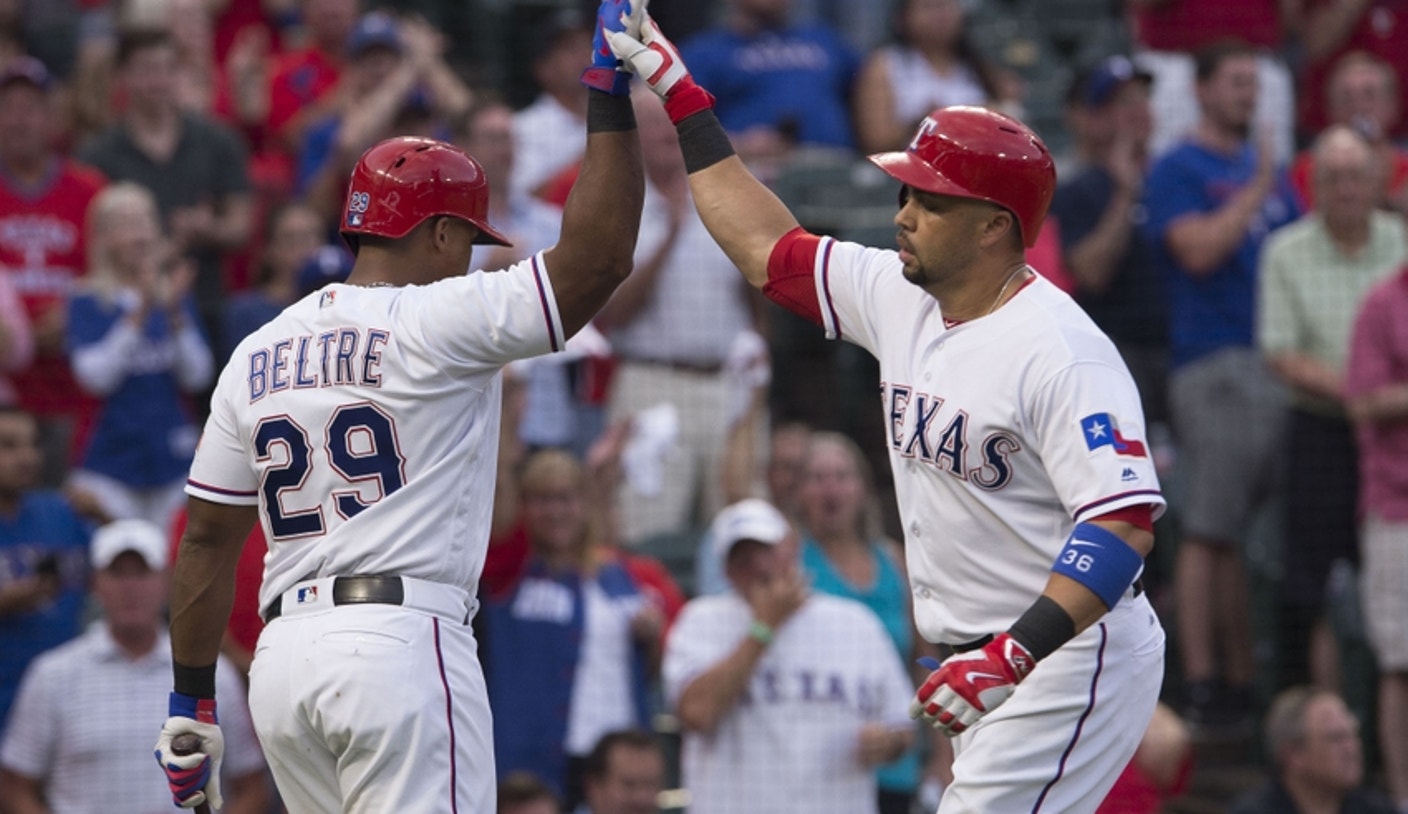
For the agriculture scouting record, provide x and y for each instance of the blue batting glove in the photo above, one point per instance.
(611, 15)
(607, 73)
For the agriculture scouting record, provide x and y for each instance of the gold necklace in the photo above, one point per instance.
(1003, 290)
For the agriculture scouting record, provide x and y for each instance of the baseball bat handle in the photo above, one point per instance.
(188, 744)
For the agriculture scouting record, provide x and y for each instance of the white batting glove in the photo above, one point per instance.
(657, 62)
(969, 685)
(193, 778)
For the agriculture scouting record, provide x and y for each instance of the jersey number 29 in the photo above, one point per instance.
(376, 456)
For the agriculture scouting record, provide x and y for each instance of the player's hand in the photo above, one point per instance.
(193, 778)
(969, 685)
(606, 73)
(651, 56)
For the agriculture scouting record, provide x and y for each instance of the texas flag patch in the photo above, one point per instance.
(1101, 431)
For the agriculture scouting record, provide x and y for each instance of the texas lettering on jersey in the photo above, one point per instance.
(919, 427)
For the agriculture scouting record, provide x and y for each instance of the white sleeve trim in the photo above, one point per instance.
(216, 494)
(557, 339)
(822, 275)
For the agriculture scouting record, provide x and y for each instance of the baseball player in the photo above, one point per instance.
(1015, 434)
(359, 427)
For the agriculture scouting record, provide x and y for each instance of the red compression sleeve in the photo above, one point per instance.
(792, 274)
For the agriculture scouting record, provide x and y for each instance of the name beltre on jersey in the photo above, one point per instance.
(340, 356)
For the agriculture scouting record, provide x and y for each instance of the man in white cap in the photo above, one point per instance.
(80, 730)
(788, 699)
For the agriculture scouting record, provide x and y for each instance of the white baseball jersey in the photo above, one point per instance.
(365, 424)
(791, 742)
(1003, 432)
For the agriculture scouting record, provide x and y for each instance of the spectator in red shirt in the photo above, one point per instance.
(395, 82)
(1361, 91)
(1334, 28)
(1158, 772)
(304, 79)
(43, 198)
(236, 20)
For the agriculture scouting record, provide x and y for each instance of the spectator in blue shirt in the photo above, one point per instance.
(778, 83)
(43, 557)
(135, 343)
(1211, 202)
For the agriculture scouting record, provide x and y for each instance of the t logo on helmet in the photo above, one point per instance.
(926, 128)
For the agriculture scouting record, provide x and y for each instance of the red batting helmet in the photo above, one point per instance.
(973, 152)
(400, 182)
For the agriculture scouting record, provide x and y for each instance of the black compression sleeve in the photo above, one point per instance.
(1043, 628)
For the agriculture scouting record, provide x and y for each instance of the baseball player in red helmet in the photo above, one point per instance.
(359, 428)
(1015, 434)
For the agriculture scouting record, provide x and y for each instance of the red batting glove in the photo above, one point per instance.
(657, 62)
(970, 685)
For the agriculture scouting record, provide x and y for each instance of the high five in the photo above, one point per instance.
(1015, 432)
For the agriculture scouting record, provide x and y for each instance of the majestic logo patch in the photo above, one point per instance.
(1101, 431)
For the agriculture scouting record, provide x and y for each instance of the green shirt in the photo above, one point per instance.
(1309, 291)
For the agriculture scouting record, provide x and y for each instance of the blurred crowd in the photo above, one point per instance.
(1233, 182)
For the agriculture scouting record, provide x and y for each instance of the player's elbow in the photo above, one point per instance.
(617, 268)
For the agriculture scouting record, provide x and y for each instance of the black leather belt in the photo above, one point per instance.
(354, 591)
(946, 650)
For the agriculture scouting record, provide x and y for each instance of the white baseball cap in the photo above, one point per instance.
(118, 536)
(751, 519)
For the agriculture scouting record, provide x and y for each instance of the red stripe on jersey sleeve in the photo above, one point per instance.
(1141, 516)
(792, 274)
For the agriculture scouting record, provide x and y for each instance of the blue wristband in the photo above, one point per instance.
(1100, 560)
(180, 705)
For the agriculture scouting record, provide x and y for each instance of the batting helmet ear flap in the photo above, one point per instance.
(973, 152)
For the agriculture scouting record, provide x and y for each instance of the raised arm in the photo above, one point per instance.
(745, 218)
(601, 218)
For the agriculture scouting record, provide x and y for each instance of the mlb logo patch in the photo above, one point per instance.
(308, 594)
(1100, 430)
(326, 299)
(357, 203)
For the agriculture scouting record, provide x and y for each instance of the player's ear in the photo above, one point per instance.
(450, 234)
(998, 226)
